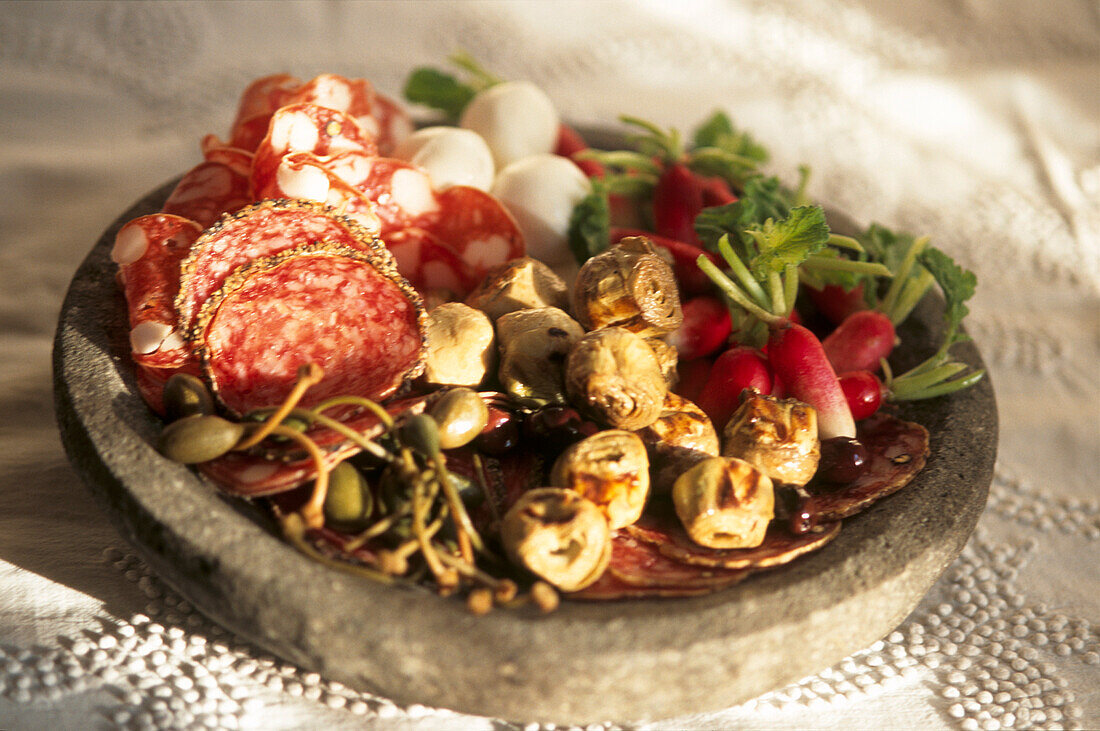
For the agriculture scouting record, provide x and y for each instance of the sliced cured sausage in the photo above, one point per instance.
(429, 264)
(208, 190)
(332, 306)
(258, 102)
(258, 231)
(306, 176)
(149, 251)
(897, 450)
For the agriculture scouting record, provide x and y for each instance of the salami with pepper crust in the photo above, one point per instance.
(337, 307)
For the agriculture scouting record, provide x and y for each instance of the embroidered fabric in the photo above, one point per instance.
(976, 122)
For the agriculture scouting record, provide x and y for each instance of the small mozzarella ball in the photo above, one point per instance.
(451, 156)
(515, 118)
(541, 192)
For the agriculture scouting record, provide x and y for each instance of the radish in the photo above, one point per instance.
(733, 371)
(691, 378)
(677, 200)
(705, 328)
(835, 302)
(569, 144)
(798, 357)
(864, 392)
(860, 342)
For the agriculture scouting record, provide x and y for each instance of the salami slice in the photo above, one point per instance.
(641, 564)
(388, 122)
(476, 226)
(306, 176)
(378, 115)
(307, 128)
(246, 474)
(149, 251)
(401, 191)
(430, 265)
(897, 450)
(258, 231)
(208, 190)
(258, 102)
(662, 530)
(236, 159)
(332, 306)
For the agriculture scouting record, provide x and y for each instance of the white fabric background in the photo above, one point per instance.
(974, 121)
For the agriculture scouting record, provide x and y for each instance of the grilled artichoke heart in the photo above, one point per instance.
(723, 502)
(610, 468)
(629, 286)
(559, 536)
(776, 436)
(533, 347)
(612, 376)
(461, 346)
(520, 284)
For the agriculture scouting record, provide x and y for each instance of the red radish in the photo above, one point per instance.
(733, 371)
(864, 392)
(835, 302)
(705, 329)
(691, 377)
(691, 278)
(716, 191)
(569, 144)
(677, 200)
(860, 342)
(798, 358)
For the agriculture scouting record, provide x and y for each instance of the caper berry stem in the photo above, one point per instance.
(420, 506)
(313, 512)
(464, 527)
(308, 375)
(381, 413)
(368, 446)
(376, 529)
(294, 530)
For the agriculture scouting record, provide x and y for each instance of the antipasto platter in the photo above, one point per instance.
(675, 611)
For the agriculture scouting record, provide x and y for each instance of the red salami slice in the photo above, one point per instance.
(305, 176)
(208, 190)
(234, 158)
(258, 231)
(641, 564)
(378, 115)
(476, 226)
(251, 475)
(333, 306)
(662, 530)
(430, 265)
(388, 122)
(307, 128)
(897, 450)
(149, 251)
(258, 102)
(610, 587)
(401, 191)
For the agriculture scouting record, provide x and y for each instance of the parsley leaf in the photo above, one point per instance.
(958, 286)
(789, 241)
(438, 90)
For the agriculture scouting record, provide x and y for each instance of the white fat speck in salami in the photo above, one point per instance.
(147, 336)
(292, 132)
(131, 242)
(364, 326)
(411, 190)
(302, 181)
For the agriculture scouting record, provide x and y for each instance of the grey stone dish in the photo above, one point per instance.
(622, 661)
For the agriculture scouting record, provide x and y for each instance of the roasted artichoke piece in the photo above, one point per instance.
(613, 376)
(520, 284)
(533, 347)
(776, 436)
(668, 358)
(559, 536)
(610, 468)
(724, 502)
(629, 286)
(680, 436)
(461, 346)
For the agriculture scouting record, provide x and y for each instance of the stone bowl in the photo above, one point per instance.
(626, 661)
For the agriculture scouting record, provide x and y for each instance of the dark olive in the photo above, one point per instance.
(348, 502)
(199, 438)
(842, 460)
(501, 433)
(186, 395)
(461, 414)
(553, 428)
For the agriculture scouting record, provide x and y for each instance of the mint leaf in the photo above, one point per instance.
(438, 90)
(789, 241)
(590, 224)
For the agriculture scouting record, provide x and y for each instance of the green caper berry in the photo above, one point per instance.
(421, 432)
(186, 395)
(461, 415)
(199, 438)
(348, 502)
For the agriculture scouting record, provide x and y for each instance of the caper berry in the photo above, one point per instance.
(199, 438)
(420, 432)
(349, 501)
(461, 414)
(186, 395)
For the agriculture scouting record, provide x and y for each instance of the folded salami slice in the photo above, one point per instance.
(639, 570)
(258, 231)
(258, 102)
(149, 251)
(235, 158)
(662, 530)
(337, 307)
(306, 176)
(307, 128)
(476, 226)
(897, 450)
(208, 190)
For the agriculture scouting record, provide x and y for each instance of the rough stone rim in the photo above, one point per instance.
(622, 661)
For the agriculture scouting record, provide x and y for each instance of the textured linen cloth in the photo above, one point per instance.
(976, 122)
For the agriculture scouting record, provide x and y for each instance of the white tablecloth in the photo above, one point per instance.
(976, 122)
